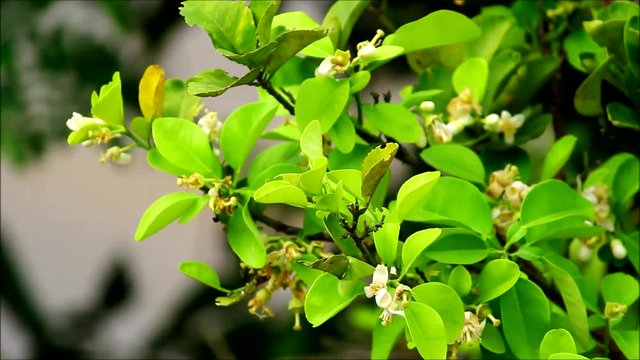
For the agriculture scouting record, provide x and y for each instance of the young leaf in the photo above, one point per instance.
(335, 265)
(439, 28)
(557, 156)
(343, 134)
(472, 74)
(108, 105)
(242, 129)
(457, 246)
(289, 44)
(386, 241)
(328, 295)
(414, 191)
(298, 20)
(163, 212)
(492, 340)
(443, 299)
(385, 336)
(455, 160)
(177, 102)
(573, 302)
(186, 146)
(321, 99)
(460, 280)
(284, 152)
(359, 81)
(311, 180)
(280, 192)
(151, 92)
(311, 141)
(415, 245)
(265, 16)
(229, 24)
(496, 278)
(211, 83)
(374, 167)
(525, 318)
(195, 208)
(455, 202)
(201, 272)
(552, 200)
(158, 162)
(427, 330)
(622, 116)
(245, 239)
(557, 341)
(620, 288)
(347, 13)
(394, 120)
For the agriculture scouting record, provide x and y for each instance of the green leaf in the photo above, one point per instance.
(394, 120)
(472, 74)
(385, 336)
(553, 200)
(427, 330)
(500, 67)
(415, 245)
(335, 265)
(620, 288)
(108, 105)
(374, 167)
(496, 278)
(557, 156)
(242, 129)
(343, 134)
(525, 318)
(492, 340)
(285, 152)
(460, 280)
(587, 99)
(386, 241)
(567, 356)
(455, 160)
(442, 27)
(457, 246)
(229, 24)
(414, 191)
(568, 227)
(415, 98)
(622, 116)
(525, 83)
(627, 341)
(163, 212)
(158, 162)
(311, 141)
(141, 128)
(533, 128)
(573, 302)
(338, 234)
(253, 59)
(626, 181)
(494, 28)
(351, 179)
(328, 295)
(557, 341)
(211, 83)
(311, 180)
(455, 202)
(201, 272)
(289, 44)
(272, 172)
(358, 81)
(347, 13)
(265, 15)
(185, 145)
(579, 42)
(298, 20)
(322, 99)
(195, 208)
(280, 192)
(245, 239)
(632, 44)
(177, 102)
(443, 299)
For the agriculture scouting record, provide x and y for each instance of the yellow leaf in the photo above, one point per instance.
(150, 92)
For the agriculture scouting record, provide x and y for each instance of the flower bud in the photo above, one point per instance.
(427, 106)
(618, 249)
(614, 311)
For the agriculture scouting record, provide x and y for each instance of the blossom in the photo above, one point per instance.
(211, 125)
(617, 249)
(115, 154)
(505, 124)
(598, 195)
(332, 65)
(501, 179)
(443, 133)
(472, 330)
(462, 110)
(427, 106)
(515, 193)
(366, 49)
(378, 287)
(77, 122)
(326, 68)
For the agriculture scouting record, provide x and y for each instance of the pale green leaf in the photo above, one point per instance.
(455, 160)
(415, 245)
(201, 272)
(557, 156)
(327, 296)
(427, 330)
(163, 212)
(443, 299)
(496, 278)
(322, 99)
(245, 239)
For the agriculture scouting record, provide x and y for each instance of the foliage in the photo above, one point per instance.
(479, 250)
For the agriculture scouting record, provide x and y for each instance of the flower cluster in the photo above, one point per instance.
(211, 125)
(509, 192)
(94, 131)
(504, 123)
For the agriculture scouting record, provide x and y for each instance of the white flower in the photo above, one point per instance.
(443, 133)
(515, 192)
(211, 125)
(77, 122)
(378, 287)
(472, 330)
(366, 52)
(326, 68)
(506, 124)
(584, 252)
(618, 250)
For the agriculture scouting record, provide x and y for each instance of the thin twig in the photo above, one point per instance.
(273, 92)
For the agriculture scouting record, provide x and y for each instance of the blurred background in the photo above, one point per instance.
(74, 283)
